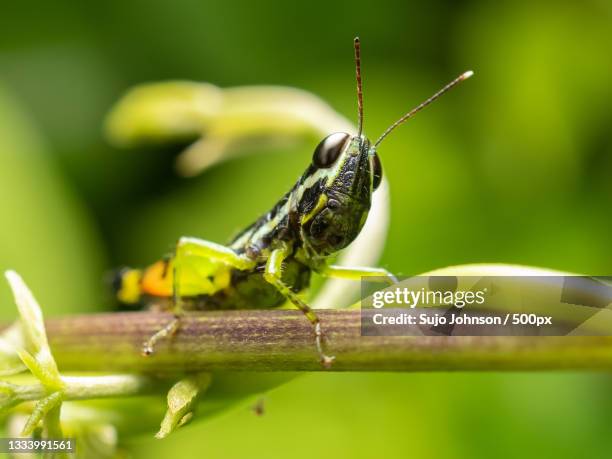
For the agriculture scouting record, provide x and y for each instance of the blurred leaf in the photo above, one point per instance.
(226, 118)
(11, 340)
(162, 112)
(48, 237)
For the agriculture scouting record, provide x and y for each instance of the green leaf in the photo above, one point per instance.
(11, 340)
(37, 354)
(47, 234)
(48, 405)
(162, 111)
(225, 119)
(182, 398)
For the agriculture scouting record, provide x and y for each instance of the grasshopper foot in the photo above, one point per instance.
(326, 360)
(169, 330)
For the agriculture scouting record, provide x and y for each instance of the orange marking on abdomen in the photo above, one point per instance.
(157, 279)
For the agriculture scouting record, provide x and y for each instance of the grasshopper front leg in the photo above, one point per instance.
(273, 274)
(190, 247)
(356, 273)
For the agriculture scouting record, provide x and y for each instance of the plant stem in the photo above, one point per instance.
(280, 340)
(85, 387)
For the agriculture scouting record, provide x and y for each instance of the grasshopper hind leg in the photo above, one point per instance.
(192, 248)
(170, 329)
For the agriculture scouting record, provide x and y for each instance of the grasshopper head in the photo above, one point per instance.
(337, 192)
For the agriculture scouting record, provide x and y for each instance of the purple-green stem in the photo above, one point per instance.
(281, 340)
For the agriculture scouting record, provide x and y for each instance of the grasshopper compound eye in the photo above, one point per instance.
(329, 149)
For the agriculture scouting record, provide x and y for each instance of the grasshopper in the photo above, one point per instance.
(271, 261)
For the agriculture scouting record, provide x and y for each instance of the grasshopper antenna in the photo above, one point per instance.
(357, 45)
(422, 105)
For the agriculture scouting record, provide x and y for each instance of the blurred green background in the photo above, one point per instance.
(515, 166)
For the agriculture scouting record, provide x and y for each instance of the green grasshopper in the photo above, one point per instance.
(271, 261)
